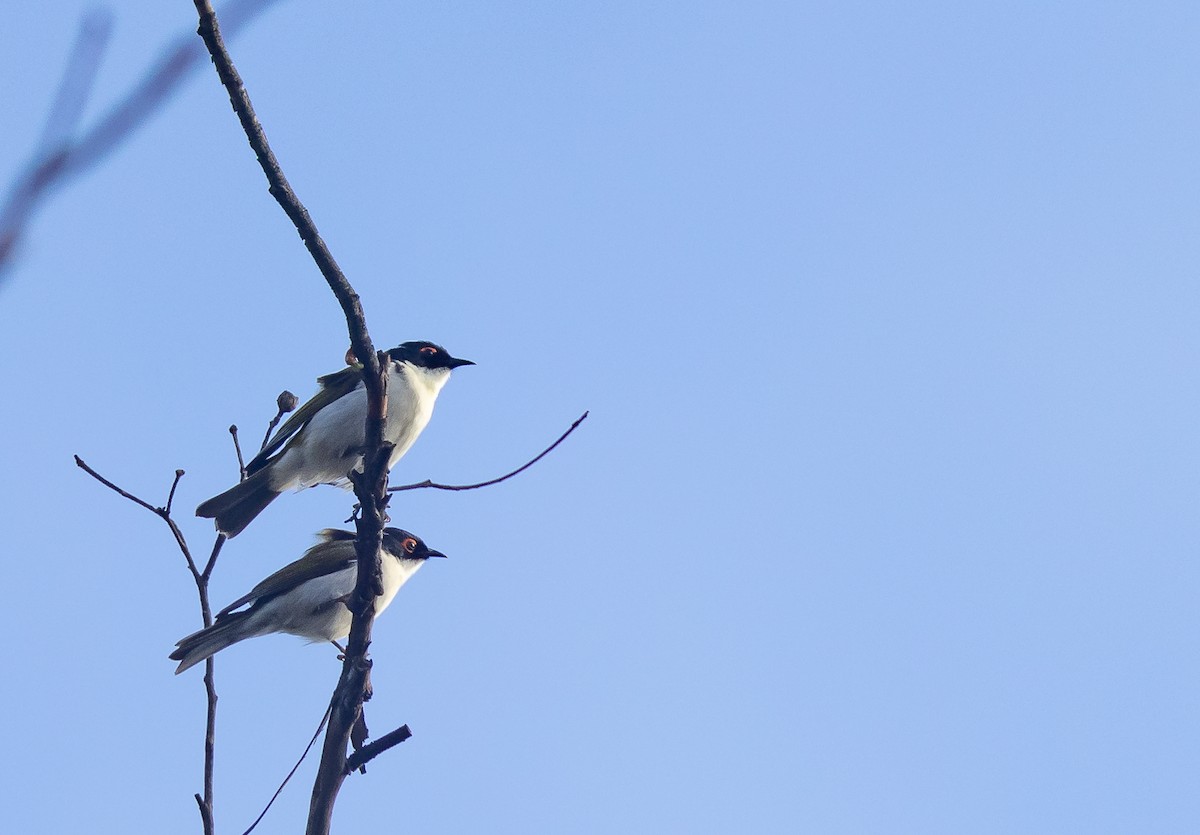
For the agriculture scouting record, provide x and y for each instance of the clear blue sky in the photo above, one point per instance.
(885, 516)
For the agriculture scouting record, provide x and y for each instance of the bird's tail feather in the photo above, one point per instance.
(236, 507)
(198, 646)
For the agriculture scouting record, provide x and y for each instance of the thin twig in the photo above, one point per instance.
(435, 486)
(360, 758)
(212, 557)
(307, 748)
(171, 495)
(286, 401)
(233, 430)
(210, 687)
(270, 428)
(79, 462)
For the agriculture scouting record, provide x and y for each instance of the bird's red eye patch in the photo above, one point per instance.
(429, 349)
(409, 544)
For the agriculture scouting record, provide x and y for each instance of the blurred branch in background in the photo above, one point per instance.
(63, 152)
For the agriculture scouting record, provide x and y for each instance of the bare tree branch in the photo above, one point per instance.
(436, 486)
(58, 157)
(210, 31)
(370, 486)
(201, 579)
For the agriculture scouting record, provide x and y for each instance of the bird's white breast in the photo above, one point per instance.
(411, 405)
(330, 445)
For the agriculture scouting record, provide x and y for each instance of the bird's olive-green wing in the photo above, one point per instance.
(335, 554)
(332, 386)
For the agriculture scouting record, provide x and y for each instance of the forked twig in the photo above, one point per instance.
(201, 578)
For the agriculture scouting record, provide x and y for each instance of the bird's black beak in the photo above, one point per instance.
(433, 553)
(454, 362)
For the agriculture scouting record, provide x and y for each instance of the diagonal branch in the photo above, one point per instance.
(210, 31)
(370, 486)
(157, 511)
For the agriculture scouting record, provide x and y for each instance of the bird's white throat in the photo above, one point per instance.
(426, 381)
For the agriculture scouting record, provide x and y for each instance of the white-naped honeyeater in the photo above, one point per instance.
(307, 597)
(323, 440)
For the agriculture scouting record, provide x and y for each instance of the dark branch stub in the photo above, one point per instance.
(359, 759)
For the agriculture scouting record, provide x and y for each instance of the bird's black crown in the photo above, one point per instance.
(426, 355)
